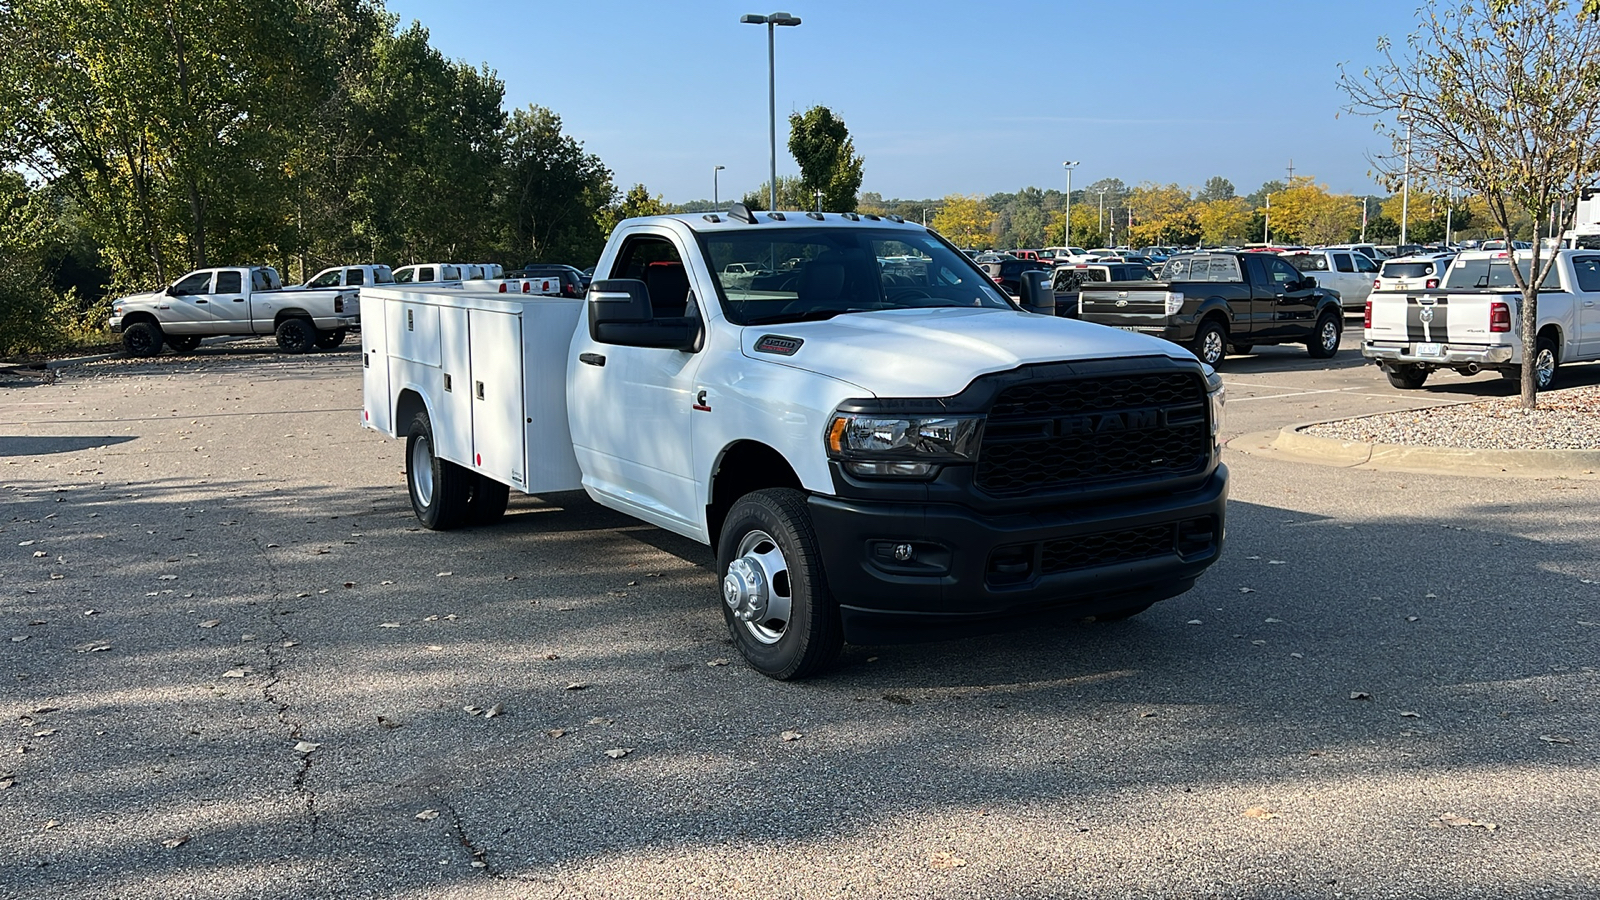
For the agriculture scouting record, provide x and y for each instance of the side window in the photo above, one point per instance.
(656, 262)
(1342, 263)
(449, 273)
(1587, 269)
(1258, 272)
(198, 283)
(326, 279)
(1365, 264)
(354, 277)
(229, 283)
(404, 275)
(425, 273)
(1280, 273)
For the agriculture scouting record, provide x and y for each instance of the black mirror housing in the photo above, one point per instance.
(1035, 293)
(620, 313)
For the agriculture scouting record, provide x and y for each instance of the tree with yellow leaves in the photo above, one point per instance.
(1307, 212)
(965, 220)
(1162, 214)
(1224, 221)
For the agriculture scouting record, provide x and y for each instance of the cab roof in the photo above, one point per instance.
(739, 217)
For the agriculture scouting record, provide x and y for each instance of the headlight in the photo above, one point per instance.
(117, 309)
(1217, 395)
(901, 447)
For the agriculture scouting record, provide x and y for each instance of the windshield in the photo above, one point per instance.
(790, 274)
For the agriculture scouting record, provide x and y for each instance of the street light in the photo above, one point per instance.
(1405, 184)
(1066, 237)
(714, 200)
(771, 20)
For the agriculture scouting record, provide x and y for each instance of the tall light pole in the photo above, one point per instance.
(1100, 223)
(771, 20)
(714, 200)
(1405, 183)
(1066, 228)
(1363, 220)
(1266, 223)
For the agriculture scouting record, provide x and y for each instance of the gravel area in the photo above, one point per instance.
(1565, 420)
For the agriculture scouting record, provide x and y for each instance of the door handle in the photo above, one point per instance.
(593, 359)
(202, 301)
(238, 299)
(1279, 296)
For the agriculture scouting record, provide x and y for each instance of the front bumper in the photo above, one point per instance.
(115, 324)
(1405, 354)
(969, 571)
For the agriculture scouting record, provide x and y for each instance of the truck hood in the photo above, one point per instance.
(938, 352)
(146, 297)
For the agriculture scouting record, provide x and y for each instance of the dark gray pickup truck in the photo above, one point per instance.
(1209, 301)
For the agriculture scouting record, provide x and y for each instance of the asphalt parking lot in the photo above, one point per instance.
(235, 666)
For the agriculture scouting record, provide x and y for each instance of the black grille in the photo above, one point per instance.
(1089, 550)
(1093, 431)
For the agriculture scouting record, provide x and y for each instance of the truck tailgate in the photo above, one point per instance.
(1135, 305)
(1436, 317)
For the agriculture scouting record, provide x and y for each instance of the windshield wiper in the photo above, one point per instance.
(810, 315)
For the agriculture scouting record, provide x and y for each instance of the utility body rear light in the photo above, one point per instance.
(1499, 318)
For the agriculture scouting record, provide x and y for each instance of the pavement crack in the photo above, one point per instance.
(274, 664)
(480, 855)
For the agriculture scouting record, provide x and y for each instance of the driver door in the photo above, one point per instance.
(189, 305)
(634, 407)
(1293, 299)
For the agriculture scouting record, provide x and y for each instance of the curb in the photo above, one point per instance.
(78, 360)
(1293, 441)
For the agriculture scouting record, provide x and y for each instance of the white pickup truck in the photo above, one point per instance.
(241, 300)
(346, 276)
(875, 457)
(1472, 323)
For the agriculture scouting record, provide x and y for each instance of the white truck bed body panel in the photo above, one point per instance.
(453, 404)
(547, 326)
(377, 403)
(495, 346)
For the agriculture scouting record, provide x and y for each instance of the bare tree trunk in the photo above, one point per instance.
(1530, 338)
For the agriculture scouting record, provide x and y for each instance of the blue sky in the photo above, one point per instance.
(943, 97)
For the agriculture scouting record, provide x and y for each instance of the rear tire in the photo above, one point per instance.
(183, 343)
(142, 339)
(1407, 377)
(1242, 349)
(1324, 342)
(1210, 342)
(1545, 363)
(296, 336)
(328, 340)
(794, 629)
(440, 489)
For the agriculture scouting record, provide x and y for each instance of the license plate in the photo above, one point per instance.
(1402, 285)
(1133, 328)
(1430, 350)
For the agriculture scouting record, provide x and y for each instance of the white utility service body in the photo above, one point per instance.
(791, 424)
(1473, 322)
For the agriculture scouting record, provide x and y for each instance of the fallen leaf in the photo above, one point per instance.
(717, 662)
(898, 698)
(305, 747)
(1276, 562)
(235, 673)
(93, 647)
(1259, 643)
(1258, 812)
(175, 843)
(578, 686)
(389, 625)
(495, 710)
(42, 710)
(1245, 590)
(427, 815)
(1408, 714)
(598, 720)
(20, 638)
(1451, 820)
(789, 736)
(166, 578)
(53, 823)
(1411, 618)
(1360, 695)
(1196, 622)
(444, 575)
(39, 554)
(1297, 656)
(289, 644)
(472, 710)
(1274, 621)
(619, 752)
(1430, 596)
(349, 584)
(386, 722)
(555, 732)
(946, 861)
(6, 783)
(1555, 739)
(1252, 557)
(49, 731)
(552, 656)
(386, 582)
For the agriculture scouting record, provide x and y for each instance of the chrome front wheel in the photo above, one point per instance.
(757, 587)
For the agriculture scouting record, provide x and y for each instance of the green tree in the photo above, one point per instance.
(1217, 188)
(822, 145)
(555, 198)
(791, 195)
(1499, 98)
(32, 316)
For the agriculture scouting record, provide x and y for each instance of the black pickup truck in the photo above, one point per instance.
(1208, 301)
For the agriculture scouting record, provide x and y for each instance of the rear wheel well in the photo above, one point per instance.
(1219, 317)
(745, 466)
(289, 314)
(1553, 333)
(405, 409)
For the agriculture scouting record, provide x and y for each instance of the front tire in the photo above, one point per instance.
(1406, 377)
(440, 489)
(775, 594)
(328, 340)
(1324, 341)
(142, 339)
(1211, 342)
(296, 336)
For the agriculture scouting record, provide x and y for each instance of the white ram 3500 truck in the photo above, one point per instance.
(1474, 322)
(240, 301)
(876, 456)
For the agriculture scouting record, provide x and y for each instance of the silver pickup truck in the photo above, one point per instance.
(239, 300)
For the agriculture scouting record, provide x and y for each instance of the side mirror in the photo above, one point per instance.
(1308, 282)
(1036, 295)
(171, 291)
(620, 313)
